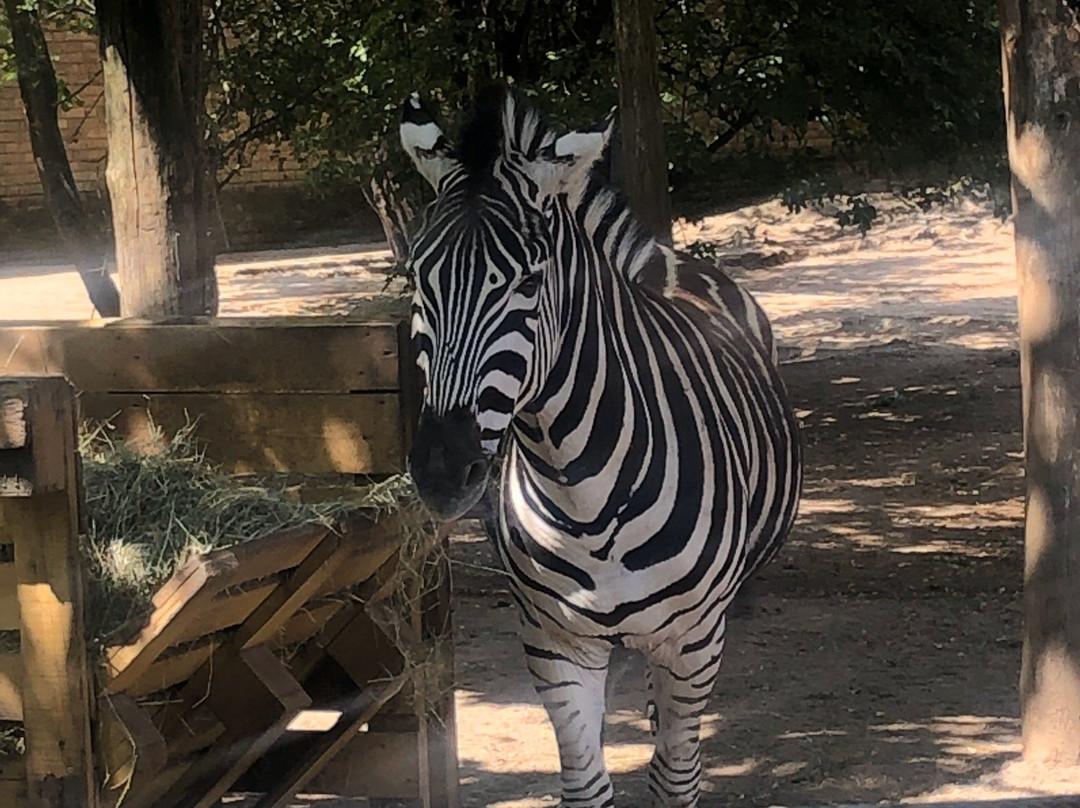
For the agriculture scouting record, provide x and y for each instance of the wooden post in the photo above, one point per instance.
(42, 523)
(1041, 61)
(641, 123)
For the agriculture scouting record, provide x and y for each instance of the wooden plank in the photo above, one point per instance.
(9, 600)
(255, 697)
(171, 670)
(176, 605)
(275, 610)
(326, 746)
(49, 450)
(225, 611)
(275, 552)
(221, 355)
(11, 675)
(13, 793)
(56, 682)
(438, 716)
(377, 765)
(374, 544)
(13, 432)
(174, 669)
(134, 750)
(306, 623)
(260, 433)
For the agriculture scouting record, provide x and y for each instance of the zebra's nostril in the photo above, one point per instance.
(476, 472)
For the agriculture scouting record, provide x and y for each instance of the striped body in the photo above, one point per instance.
(649, 459)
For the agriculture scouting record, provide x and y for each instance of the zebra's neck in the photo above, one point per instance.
(570, 436)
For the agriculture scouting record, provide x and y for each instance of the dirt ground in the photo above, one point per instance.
(878, 657)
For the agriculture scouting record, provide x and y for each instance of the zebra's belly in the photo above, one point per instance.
(574, 593)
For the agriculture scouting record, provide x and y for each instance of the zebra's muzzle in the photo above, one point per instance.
(448, 464)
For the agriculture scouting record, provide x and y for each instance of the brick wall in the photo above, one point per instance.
(75, 56)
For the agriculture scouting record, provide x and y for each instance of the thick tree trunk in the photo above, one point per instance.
(40, 97)
(644, 173)
(155, 107)
(1041, 61)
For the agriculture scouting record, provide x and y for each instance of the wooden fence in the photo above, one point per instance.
(280, 664)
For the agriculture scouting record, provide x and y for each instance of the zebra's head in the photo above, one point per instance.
(482, 261)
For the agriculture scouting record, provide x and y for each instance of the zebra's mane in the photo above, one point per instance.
(501, 124)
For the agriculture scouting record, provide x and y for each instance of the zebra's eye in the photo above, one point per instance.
(529, 284)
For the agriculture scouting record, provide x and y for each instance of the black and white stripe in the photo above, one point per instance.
(649, 459)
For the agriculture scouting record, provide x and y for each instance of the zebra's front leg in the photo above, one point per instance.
(681, 690)
(570, 682)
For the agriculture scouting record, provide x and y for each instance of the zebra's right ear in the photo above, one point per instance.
(571, 158)
(425, 142)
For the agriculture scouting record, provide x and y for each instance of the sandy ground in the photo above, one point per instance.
(878, 657)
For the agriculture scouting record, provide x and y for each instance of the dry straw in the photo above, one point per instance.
(149, 510)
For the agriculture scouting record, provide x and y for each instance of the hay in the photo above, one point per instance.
(149, 511)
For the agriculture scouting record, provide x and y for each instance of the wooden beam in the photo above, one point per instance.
(208, 355)
(9, 599)
(256, 698)
(134, 751)
(320, 752)
(56, 684)
(176, 605)
(261, 433)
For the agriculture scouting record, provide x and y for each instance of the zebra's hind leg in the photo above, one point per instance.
(570, 682)
(681, 691)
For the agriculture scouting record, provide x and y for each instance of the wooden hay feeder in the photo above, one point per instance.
(310, 659)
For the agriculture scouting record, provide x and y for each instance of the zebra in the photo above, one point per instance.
(648, 459)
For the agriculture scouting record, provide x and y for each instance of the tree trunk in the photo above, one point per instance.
(1041, 61)
(642, 136)
(155, 106)
(40, 97)
(393, 211)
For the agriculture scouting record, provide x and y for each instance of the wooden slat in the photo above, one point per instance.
(13, 784)
(56, 680)
(278, 551)
(9, 601)
(225, 611)
(171, 670)
(326, 746)
(259, 433)
(11, 675)
(275, 610)
(134, 750)
(376, 765)
(175, 606)
(222, 355)
(255, 697)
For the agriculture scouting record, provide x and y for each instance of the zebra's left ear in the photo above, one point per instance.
(425, 142)
(570, 159)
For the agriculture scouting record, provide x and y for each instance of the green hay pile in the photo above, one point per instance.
(147, 512)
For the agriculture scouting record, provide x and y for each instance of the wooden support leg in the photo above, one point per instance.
(42, 522)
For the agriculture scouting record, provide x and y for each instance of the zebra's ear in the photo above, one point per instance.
(571, 158)
(425, 142)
